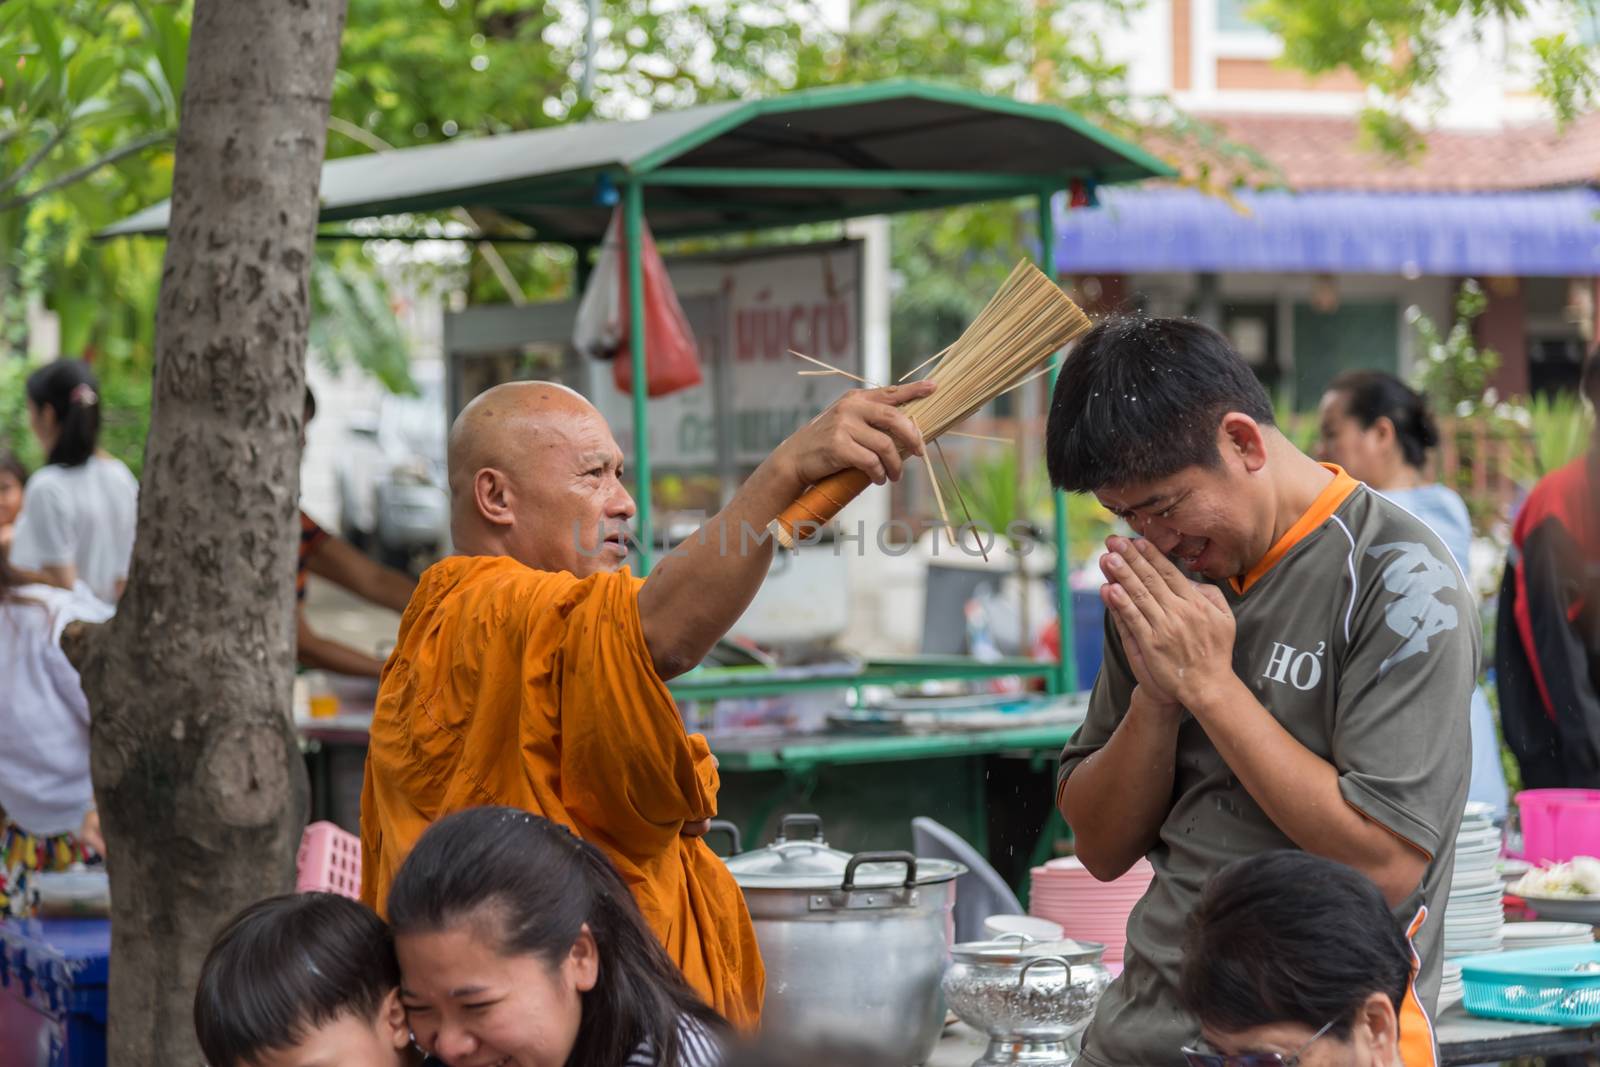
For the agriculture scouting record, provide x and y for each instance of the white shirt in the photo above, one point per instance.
(82, 516)
(44, 718)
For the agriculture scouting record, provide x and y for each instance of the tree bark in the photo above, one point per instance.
(196, 767)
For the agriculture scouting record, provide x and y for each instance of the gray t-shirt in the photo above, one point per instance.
(1362, 640)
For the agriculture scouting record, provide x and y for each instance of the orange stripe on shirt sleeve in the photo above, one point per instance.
(1418, 1045)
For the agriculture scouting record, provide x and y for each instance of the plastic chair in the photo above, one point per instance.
(980, 893)
(329, 861)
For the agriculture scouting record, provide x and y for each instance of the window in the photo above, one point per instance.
(1588, 19)
(1232, 17)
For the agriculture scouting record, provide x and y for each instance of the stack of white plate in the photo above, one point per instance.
(1474, 916)
(1086, 908)
(1546, 935)
(1451, 989)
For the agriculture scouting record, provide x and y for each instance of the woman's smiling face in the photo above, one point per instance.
(473, 1006)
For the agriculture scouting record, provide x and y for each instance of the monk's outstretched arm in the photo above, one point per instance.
(704, 585)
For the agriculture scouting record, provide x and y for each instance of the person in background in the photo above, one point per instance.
(78, 517)
(1287, 661)
(1547, 634)
(1380, 431)
(302, 979)
(47, 819)
(1271, 988)
(13, 476)
(341, 563)
(519, 943)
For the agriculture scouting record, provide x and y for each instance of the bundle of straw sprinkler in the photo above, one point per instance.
(1026, 322)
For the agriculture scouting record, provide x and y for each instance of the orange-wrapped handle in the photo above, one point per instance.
(817, 506)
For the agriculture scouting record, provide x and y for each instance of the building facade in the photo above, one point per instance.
(1324, 264)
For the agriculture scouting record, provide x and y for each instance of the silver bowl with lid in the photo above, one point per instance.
(1032, 998)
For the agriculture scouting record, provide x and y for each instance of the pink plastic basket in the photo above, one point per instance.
(1558, 824)
(329, 861)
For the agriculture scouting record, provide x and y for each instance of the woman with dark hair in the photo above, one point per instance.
(518, 941)
(1293, 960)
(46, 796)
(1380, 431)
(13, 476)
(77, 522)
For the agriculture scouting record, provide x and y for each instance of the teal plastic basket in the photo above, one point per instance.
(1541, 985)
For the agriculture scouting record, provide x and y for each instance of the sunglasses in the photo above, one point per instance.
(1197, 1058)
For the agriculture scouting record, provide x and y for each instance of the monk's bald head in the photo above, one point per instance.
(536, 474)
(500, 426)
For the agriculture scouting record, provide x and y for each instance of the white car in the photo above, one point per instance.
(394, 497)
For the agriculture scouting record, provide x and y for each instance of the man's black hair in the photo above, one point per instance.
(1140, 399)
(1288, 937)
(285, 966)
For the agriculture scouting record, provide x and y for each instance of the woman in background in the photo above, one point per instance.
(13, 476)
(77, 521)
(1380, 431)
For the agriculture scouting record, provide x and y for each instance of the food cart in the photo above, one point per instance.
(744, 166)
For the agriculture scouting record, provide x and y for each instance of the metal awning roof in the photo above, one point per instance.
(1553, 232)
(808, 156)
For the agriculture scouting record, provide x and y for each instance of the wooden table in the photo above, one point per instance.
(1463, 1039)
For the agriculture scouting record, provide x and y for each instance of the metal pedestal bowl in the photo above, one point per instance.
(1032, 999)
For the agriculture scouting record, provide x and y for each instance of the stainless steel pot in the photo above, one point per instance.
(1031, 997)
(854, 945)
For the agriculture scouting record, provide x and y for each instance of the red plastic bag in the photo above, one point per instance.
(672, 360)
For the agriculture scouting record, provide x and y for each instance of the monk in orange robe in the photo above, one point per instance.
(531, 668)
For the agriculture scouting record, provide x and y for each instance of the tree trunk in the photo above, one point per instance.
(196, 768)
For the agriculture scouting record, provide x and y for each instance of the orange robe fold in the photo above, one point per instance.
(535, 689)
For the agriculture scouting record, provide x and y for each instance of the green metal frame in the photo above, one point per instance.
(1062, 677)
(629, 174)
(633, 227)
(1067, 662)
(800, 756)
(726, 683)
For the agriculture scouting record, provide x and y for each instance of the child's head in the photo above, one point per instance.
(301, 980)
(518, 940)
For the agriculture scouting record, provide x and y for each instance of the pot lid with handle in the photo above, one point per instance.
(1018, 949)
(792, 862)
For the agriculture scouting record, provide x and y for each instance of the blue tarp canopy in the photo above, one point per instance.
(1151, 230)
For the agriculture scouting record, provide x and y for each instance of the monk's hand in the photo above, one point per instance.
(1182, 631)
(863, 430)
(698, 828)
